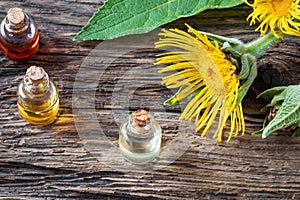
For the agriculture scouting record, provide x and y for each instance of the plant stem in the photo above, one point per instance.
(262, 44)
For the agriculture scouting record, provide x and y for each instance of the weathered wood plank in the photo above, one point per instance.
(53, 162)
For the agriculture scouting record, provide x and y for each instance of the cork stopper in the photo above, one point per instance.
(141, 117)
(35, 74)
(15, 16)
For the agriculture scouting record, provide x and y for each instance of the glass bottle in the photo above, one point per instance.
(19, 37)
(38, 101)
(140, 137)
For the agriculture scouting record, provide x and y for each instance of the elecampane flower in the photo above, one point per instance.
(199, 65)
(282, 15)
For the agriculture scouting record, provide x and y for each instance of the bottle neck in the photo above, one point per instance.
(17, 27)
(36, 87)
(140, 131)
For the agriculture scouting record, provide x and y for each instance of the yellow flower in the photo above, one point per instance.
(282, 15)
(199, 64)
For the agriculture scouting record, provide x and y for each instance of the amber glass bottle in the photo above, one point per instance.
(38, 101)
(19, 37)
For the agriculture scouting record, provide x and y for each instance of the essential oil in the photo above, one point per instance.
(38, 100)
(140, 137)
(19, 37)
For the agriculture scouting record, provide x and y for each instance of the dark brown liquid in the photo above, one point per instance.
(21, 53)
(19, 45)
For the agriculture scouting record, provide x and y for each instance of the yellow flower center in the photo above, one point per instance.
(281, 6)
(213, 78)
(279, 16)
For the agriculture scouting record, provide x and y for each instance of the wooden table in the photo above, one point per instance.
(56, 162)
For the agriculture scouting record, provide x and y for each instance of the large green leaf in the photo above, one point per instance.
(288, 113)
(122, 17)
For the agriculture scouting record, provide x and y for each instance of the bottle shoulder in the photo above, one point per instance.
(129, 129)
(27, 96)
(19, 37)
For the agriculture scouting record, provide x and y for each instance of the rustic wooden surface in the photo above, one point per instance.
(53, 162)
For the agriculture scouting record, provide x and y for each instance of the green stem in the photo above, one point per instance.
(262, 44)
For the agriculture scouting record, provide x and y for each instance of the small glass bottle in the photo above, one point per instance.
(140, 137)
(19, 37)
(38, 101)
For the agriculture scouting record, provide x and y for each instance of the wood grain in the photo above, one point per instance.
(53, 162)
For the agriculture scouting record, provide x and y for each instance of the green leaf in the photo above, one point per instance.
(297, 132)
(245, 69)
(122, 17)
(249, 62)
(278, 94)
(288, 113)
(231, 48)
(272, 92)
(221, 39)
(268, 107)
(266, 122)
(277, 98)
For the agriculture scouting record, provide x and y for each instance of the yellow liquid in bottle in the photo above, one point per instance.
(42, 117)
(38, 100)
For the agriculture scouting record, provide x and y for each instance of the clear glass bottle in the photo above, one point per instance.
(19, 37)
(38, 101)
(140, 137)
